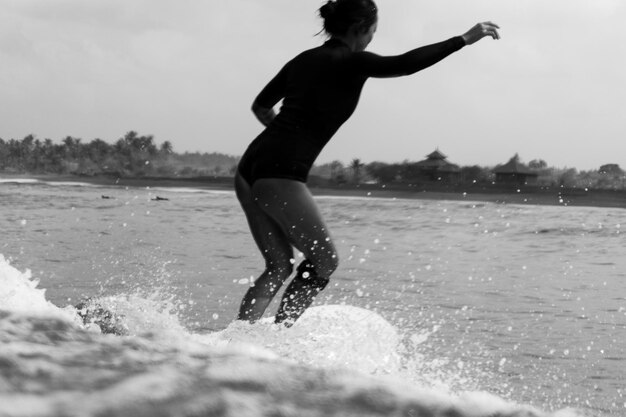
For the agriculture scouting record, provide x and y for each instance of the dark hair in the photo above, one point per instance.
(340, 15)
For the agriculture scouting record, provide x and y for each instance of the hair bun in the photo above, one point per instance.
(340, 15)
(328, 9)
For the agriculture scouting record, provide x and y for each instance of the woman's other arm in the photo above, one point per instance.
(272, 93)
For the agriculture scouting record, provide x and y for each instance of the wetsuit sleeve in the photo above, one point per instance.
(371, 65)
(274, 91)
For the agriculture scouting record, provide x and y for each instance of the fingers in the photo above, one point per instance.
(493, 33)
(490, 29)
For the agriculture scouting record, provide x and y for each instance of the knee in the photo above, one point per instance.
(310, 276)
(276, 273)
(321, 268)
(280, 269)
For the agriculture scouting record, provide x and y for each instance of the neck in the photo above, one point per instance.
(348, 40)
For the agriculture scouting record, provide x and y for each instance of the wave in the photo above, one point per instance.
(19, 181)
(36, 181)
(70, 184)
(336, 360)
(56, 183)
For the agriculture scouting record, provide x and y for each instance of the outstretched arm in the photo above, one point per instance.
(371, 65)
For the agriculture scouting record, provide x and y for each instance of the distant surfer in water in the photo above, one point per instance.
(320, 89)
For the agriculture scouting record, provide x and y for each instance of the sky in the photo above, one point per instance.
(187, 71)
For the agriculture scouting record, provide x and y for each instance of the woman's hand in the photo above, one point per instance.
(480, 31)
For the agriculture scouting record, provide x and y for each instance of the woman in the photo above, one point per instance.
(320, 89)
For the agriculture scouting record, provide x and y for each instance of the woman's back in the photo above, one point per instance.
(320, 91)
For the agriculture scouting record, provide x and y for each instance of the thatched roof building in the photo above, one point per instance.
(436, 167)
(514, 172)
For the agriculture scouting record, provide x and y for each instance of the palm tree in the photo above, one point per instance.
(335, 168)
(356, 166)
(166, 148)
(72, 147)
(98, 150)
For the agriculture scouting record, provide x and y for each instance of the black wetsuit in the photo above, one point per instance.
(320, 89)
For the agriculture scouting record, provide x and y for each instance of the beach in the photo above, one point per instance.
(500, 194)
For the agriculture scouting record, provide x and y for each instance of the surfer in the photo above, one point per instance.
(320, 89)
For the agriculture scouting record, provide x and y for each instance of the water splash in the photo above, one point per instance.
(337, 360)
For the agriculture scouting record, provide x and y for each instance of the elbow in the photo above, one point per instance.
(258, 110)
(263, 114)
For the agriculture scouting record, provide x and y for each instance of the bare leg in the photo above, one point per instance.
(275, 248)
(291, 205)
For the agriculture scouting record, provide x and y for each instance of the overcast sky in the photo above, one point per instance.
(553, 88)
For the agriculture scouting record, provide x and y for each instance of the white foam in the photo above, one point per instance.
(19, 181)
(70, 184)
(190, 190)
(328, 355)
(332, 336)
(141, 314)
(19, 294)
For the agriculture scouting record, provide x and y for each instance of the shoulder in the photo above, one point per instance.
(327, 51)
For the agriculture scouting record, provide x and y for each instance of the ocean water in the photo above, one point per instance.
(437, 307)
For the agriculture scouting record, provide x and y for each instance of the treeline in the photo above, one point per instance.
(135, 155)
(132, 155)
(608, 176)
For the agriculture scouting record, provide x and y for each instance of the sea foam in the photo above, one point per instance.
(336, 361)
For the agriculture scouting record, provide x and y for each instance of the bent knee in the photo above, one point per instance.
(280, 269)
(327, 265)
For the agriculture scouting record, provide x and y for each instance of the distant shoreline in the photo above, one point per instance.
(533, 195)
